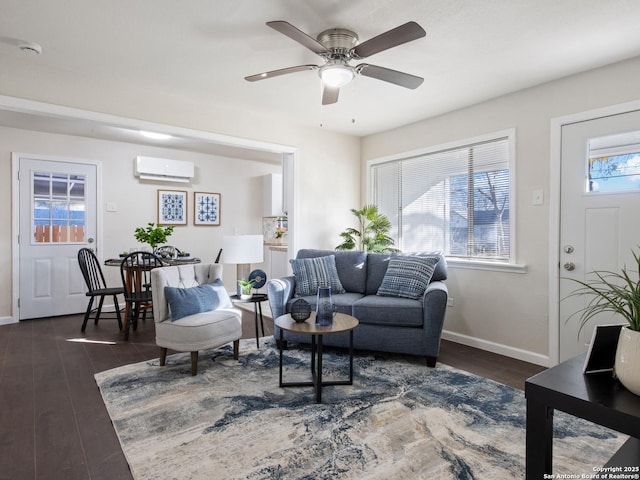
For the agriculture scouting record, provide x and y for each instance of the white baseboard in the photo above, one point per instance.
(517, 353)
(8, 320)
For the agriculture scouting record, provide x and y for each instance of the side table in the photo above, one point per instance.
(341, 323)
(256, 299)
(596, 397)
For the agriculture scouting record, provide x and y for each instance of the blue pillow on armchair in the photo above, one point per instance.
(202, 298)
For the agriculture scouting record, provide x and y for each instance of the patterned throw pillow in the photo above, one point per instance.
(408, 276)
(312, 273)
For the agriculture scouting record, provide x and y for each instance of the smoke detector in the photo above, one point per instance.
(30, 48)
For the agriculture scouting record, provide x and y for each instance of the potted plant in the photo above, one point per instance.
(372, 234)
(245, 287)
(154, 234)
(617, 293)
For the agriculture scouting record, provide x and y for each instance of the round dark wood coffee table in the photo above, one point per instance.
(341, 323)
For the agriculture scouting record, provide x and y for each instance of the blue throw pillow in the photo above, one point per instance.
(221, 292)
(189, 301)
(312, 273)
(408, 276)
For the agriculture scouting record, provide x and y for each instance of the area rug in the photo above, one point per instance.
(400, 419)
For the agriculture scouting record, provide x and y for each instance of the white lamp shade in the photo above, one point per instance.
(242, 249)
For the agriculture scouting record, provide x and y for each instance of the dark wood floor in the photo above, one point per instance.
(53, 423)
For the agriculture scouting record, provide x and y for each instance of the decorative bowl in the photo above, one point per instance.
(300, 310)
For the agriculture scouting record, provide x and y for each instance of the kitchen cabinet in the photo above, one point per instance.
(272, 195)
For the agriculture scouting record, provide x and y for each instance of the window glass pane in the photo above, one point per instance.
(613, 163)
(58, 207)
(41, 184)
(59, 185)
(76, 186)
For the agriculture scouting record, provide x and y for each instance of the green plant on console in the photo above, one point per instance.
(154, 234)
(372, 234)
(612, 292)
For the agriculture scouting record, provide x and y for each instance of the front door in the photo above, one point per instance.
(57, 210)
(599, 213)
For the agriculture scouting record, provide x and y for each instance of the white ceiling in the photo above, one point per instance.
(202, 50)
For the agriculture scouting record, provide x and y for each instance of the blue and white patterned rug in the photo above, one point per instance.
(400, 419)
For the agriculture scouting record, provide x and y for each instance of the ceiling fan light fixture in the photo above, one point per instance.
(336, 75)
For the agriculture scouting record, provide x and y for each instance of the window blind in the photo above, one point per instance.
(456, 200)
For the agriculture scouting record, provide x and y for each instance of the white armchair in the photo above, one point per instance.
(189, 318)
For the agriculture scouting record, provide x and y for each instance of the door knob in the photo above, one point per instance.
(569, 266)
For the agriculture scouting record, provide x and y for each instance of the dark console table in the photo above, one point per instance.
(597, 397)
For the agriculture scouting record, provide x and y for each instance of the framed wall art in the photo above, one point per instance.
(172, 207)
(206, 208)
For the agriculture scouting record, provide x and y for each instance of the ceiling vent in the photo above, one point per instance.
(164, 170)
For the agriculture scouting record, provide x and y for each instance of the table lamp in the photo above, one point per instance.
(243, 250)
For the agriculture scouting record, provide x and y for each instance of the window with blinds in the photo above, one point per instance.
(455, 200)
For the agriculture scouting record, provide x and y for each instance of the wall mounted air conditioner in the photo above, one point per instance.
(164, 170)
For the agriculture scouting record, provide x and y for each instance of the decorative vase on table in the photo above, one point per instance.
(324, 307)
(627, 364)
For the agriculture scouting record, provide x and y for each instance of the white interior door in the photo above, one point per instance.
(599, 205)
(57, 218)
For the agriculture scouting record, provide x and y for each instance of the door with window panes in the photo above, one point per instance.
(57, 218)
(599, 205)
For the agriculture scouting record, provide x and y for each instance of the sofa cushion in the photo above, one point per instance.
(202, 298)
(343, 302)
(389, 311)
(351, 266)
(408, 276)
(312, 273)
(377, 264)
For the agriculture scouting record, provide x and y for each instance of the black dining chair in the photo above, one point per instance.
(97, 287)
(135, 271)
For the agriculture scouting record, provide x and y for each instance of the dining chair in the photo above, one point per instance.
(97, 287)
(135, 271)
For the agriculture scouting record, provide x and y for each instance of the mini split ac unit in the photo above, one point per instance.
(164, 170)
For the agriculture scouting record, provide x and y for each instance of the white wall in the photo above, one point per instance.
(509, 312)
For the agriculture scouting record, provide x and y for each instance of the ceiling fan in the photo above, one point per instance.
(337, 46)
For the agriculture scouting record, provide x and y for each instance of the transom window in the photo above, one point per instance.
(59, 206)
(613, 163)
(455, 199)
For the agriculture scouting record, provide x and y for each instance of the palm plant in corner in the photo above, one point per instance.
(617, 293)
(372, 234)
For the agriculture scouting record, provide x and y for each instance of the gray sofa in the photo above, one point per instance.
(387, 323)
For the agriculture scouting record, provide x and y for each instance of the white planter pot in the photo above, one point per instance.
(627, 366)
